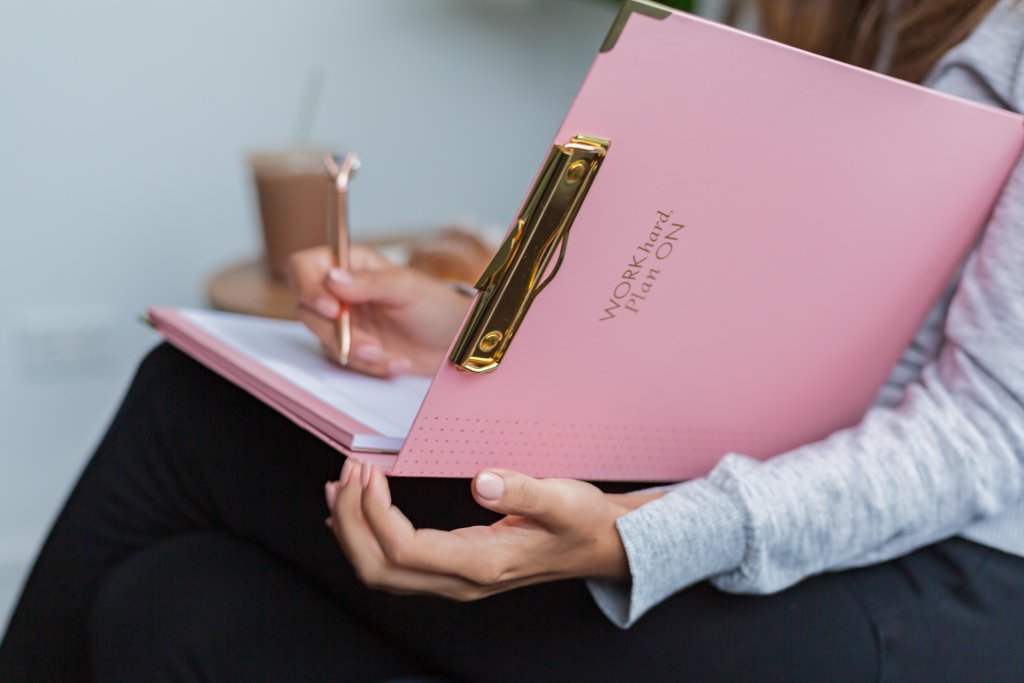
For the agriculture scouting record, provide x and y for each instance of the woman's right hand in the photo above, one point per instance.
(402, 320)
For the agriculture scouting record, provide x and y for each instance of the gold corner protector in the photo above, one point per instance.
(645, 7)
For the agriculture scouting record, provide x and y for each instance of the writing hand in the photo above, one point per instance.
(402, 320)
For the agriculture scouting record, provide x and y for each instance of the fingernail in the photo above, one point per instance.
(339, 276)
(399, 365)
(327, 307)
(346, 472)
(331, 493)
(329, 523)
(369, 352)
(364, 476)
(490, 486)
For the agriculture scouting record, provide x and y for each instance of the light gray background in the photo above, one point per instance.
(123, 132)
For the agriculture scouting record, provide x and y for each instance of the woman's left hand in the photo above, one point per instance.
(553, 529)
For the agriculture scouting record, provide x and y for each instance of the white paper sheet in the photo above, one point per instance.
(387, 406)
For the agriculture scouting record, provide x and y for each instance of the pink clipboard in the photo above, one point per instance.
(766, 231)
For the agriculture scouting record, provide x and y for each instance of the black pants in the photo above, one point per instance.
(193, 548)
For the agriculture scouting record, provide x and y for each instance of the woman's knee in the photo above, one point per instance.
(166, 410)
(177, 409)
(165, 370)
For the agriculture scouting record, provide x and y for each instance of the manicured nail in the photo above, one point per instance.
(490, 486)
(346, 472)
(331, 493)
(364, 476)
(369, 352)
(341, 277)
(398, 366)
(327, 307)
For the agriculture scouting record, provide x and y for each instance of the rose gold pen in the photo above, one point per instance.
(341, 166)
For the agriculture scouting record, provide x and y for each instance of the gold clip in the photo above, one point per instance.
(523, 265)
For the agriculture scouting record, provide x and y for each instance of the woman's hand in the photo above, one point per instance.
(554, 529)
(402, 320)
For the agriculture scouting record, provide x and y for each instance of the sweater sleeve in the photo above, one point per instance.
(950, 452)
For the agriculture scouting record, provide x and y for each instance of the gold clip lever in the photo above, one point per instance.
(520, 269)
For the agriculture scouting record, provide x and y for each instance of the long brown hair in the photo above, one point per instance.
(852, 30)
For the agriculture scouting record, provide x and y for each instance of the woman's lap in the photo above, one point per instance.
(204, 606)
(190, 454)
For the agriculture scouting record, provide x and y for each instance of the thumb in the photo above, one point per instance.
(513, 493)
(387, 286)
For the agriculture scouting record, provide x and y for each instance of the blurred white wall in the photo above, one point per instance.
(123, 132)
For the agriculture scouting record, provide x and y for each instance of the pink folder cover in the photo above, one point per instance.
(824, 206)
(767, 232)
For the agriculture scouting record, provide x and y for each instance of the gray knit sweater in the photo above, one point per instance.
(940, 454)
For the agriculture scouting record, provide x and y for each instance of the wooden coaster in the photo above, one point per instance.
(449, 253)
(249, 288)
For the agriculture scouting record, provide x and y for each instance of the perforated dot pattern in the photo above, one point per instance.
(460, 446)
